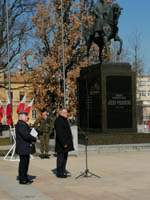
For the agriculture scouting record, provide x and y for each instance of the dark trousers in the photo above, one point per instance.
(23, 167)
(61, 162)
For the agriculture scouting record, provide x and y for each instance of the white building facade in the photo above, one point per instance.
(143, 99)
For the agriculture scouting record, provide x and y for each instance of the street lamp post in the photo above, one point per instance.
(63, 54)
(8, 56)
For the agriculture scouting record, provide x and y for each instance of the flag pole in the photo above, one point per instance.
(63, 54)
(8, 51)
(8, 66)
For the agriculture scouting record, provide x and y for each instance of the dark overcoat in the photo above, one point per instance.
(24, 141)
(63, 135)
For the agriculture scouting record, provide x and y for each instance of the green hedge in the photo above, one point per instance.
(3, 152)
(4, 141)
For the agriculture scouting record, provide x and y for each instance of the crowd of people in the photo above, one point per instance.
(26, 138)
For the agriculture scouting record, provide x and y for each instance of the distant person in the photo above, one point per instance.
(1, 129)
(24, 146)
(64, 142)
(149, 125)
(44, 125)
(145, 125)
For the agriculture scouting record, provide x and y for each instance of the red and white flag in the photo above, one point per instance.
(29, 106)
(22, 104)
(8, 112)
(1, 111)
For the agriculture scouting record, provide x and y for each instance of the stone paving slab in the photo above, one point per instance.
(10, 190)
(124, 176)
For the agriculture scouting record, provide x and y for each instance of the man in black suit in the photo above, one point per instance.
(24, 146)
(64, 142)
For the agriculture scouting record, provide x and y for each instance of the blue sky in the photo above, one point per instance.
(136, 17)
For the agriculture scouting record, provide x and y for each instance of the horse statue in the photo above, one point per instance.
(108, 31)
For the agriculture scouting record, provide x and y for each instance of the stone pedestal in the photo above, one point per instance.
(107, 98)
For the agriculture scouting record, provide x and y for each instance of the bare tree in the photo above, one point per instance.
(136, 57)
(123, 57)
(20, 26)
(131, 54)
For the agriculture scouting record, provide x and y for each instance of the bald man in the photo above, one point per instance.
(64, 142)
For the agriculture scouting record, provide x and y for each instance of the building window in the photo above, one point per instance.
(148, 83)
(21, 95)
(142, 83)
(148, 93)
(33, 114)
(142, 93)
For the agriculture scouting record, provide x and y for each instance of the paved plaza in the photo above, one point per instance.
(124, 176)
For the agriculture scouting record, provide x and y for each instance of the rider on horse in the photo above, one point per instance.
(100, 11)
(104, 28)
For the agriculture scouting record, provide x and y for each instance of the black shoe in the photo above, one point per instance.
(42, 156)
(46, 156)
(30, 177)
(67, 174)
(62, 176)
(25, 182)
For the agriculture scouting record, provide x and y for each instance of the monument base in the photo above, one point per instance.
(107, 99)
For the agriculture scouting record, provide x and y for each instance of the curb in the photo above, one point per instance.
(92, 149)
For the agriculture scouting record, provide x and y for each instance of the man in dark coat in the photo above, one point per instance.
(24, 146)
(64, 142)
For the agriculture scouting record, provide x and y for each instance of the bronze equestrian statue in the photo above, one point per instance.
(104, 29)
